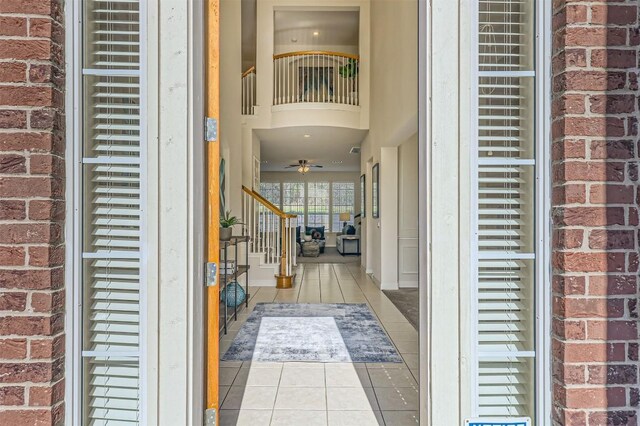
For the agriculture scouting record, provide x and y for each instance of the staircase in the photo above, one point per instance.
(272, 249)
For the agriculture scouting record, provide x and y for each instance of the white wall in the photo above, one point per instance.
(408, 213)
(393, 120)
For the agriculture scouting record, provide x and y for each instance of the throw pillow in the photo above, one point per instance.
(316, 235)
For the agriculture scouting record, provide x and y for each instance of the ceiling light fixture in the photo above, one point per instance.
(307, 136)
(316, 33)
(303, 169)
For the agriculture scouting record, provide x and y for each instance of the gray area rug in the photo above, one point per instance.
(330, 332)
(330, 255)
(406, 300)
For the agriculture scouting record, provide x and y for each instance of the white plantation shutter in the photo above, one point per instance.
(113, 181)
(505, 189)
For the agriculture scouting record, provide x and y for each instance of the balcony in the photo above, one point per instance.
(316, 77)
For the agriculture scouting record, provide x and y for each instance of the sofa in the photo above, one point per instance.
(317, 235)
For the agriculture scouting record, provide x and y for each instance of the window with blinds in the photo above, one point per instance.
(112, 272)
(505, 192)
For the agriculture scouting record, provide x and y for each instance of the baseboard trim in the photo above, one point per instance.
(408, 284)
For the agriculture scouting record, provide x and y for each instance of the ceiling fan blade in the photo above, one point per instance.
(315, 165)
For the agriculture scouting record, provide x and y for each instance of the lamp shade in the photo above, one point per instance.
(345, 217)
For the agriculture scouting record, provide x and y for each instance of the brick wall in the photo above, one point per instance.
(595, 195)
(31, 212)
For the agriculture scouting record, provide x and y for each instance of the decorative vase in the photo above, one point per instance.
(233, 294)
(225, 233)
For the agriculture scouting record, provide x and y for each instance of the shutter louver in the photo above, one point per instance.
(112, 192)
(505, 195)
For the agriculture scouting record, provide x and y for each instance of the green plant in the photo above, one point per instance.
(350, 69)
(227, 221)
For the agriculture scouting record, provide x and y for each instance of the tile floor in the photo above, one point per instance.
(309, 394)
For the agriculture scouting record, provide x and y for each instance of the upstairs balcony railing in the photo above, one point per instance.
(316, 76)
(248, 91)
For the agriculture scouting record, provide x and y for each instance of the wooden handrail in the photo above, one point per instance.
(249, 71)
(268, 204)
(316, 52)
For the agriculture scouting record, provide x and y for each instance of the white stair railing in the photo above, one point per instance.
(272, 235)
(316, 76)
(249, 91)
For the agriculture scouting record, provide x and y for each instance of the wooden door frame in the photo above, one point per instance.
(212, 101)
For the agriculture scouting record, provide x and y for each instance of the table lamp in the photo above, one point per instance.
(345, 217)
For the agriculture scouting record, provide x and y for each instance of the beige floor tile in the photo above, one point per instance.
(396, 377)
(349, 399)
(230, 364)
(251, 418)
(264, 376)
(262, 364)
(403, 335)
(397, 399)
(318, 365)
(386, 365)
(412, 360)
(227, 375)
(302, 377)
(222, 392)
(346, 375)
(407, 346)
(401, 418)
(299, 418)
(399, 326)
(301, 399)
(250, 398)
(354, 418)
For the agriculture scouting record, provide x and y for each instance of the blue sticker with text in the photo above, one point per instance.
(498, 422)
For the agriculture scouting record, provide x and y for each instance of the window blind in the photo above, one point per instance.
(112, 192)
(505, 188)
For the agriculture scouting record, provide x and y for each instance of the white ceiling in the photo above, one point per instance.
(334, 28)
(327, 146)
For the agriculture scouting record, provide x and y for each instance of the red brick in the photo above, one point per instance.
(594, 126)
(26, 96)
(29, 233)
(42, 396)
(12, 256)
(589, 262)
(46, 164)
(569, 285)
(47, 302)
(569, 194)
(32, 7)
(27, 326)
(46, 210)
(602, 285)
(46, 256)
(567, 238)
(15, 302)
(25, 49)
(603, 239)
(589, 216)
(47, 348)
(612, 149)
(23, 187)
(13, 119)
(12, 209)
(569, 148)
(593, 308)
(612, 330)
(614, 14)
(12, 395)
(594, 36)
(611, 194)
(27, 417)
(591, 171)
(13, 26)
(12, 164)
(13, 348)
(595, 397)
(13, 72)
(22, 372)
(25, 141)
(613, 58)
(615, 418)
(31, 279)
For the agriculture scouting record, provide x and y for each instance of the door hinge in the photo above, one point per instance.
(211, 274)
(211, 129)
(210, 417)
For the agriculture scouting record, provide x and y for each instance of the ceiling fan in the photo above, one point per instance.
(303, 166)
